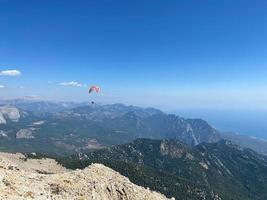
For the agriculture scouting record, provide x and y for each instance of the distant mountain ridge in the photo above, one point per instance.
(109, 111)
(40, 106)
(67, 127)
(94, 126)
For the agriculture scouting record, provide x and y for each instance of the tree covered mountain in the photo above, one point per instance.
(219, 170)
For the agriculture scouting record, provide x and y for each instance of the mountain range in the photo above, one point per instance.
(67, 127)
(178, 157)
(93, 127)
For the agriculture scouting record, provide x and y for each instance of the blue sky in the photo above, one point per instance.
(169, 54)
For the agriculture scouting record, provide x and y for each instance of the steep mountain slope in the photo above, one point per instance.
(119, 124)
(219, 170)
(23, 178)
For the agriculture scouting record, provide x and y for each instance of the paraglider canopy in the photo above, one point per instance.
(94, 88)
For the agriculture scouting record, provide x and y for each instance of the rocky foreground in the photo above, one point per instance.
(44, 179)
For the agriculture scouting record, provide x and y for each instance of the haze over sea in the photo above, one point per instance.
(246, 122)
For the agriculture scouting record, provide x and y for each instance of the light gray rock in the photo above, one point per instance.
(25, 133)
(3, 134)
(11, 113)
(27, 179)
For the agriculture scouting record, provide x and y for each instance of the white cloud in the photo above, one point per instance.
(71, 83)
(2, 86)
(10, 73)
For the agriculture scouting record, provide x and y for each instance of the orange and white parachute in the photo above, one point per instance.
(94, 88)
